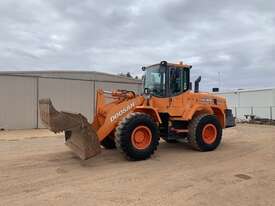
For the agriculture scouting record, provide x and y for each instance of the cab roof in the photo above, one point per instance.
(179, 65)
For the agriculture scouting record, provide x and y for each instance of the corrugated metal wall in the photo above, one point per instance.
(18, 100)
(252, 102)
(68, 95)
(20, 94)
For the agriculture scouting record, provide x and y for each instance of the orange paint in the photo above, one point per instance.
(183, 107)
(209, 134)
(141, 137)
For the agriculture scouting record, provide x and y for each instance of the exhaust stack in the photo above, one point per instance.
(197, 84)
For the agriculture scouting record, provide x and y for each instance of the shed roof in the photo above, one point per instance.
(246, 90)
(77, 75)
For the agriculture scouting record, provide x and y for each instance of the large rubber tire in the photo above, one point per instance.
(108, 143)
(127, 128)
(196, 137)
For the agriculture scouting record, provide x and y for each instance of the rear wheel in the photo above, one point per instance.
(205, 132)
(108, 143)
(137, 136)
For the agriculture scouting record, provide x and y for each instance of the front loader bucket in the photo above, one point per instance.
(80, 136)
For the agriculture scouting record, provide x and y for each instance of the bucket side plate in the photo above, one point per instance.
(80, 136)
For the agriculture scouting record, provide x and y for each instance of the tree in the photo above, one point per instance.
(128, 74)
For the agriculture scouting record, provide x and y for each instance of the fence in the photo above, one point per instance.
(267, 112)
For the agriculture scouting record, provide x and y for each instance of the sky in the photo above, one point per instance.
(231, 44)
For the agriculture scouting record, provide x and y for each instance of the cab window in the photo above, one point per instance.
(178, 81)
(155, 79)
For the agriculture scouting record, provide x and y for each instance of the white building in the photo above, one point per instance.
(69, 90)
(258, 102)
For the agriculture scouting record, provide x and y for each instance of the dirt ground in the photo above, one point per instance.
(36, 168)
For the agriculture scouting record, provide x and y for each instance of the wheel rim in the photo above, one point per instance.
(141, 137)
(209, 133)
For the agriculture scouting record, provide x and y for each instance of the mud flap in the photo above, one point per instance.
(80, 136)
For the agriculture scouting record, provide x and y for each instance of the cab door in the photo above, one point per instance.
(178, 84)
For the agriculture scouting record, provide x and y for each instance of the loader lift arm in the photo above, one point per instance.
(109, 114)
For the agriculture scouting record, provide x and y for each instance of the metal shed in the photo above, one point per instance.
(69, 90)
(258, 102)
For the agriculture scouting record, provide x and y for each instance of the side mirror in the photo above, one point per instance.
(146, 91)
(143, 68)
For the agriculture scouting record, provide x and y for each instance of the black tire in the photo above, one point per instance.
(124, 131)
(196, 126)
(108, 143)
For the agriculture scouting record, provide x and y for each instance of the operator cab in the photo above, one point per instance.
(166, 80)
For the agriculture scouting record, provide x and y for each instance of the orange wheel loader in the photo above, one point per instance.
(134, 124)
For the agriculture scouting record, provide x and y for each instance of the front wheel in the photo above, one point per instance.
(137, 136)
(205, 132)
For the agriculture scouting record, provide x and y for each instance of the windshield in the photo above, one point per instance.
(155, 80)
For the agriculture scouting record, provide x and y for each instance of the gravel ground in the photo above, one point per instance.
(36, 168)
